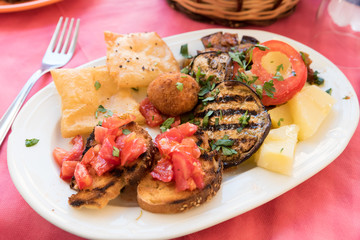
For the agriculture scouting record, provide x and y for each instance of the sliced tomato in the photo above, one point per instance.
(187, 129)
(88, 156)
(188, 145)
(115, 121)
(163, 170)
(166, 146)
(100, 165)
(293, 83)
(107, 150)
(173, 134)
(152, 116)
(100, 134)
(133, 148)
(182, 171)
(59, 155)
(67, 169)
(82, 176)
(119, 141)
(198, 174)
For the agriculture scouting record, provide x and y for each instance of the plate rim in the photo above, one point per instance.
(235, 213)
(17, 7)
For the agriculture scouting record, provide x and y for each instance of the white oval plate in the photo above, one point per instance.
(36, 175)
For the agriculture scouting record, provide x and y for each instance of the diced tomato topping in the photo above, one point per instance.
(177, 122)
(115, 121)
(163, 170)
(108, 148)
(100, 165)
(59, 155)
(152, 116)
(100, 134)
(133, 148)
(67, 169)
(187, 129)
(179, 158)
(82, 176)
(88, 156)
(188, 145)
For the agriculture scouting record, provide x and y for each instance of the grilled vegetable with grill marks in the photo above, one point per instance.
(235, 120)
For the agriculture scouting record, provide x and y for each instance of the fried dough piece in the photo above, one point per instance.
(80, 99)
(135, 59)
(109, 185)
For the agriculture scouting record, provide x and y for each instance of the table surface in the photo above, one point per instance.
(326, 206)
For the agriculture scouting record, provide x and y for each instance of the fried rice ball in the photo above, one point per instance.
(173, 93)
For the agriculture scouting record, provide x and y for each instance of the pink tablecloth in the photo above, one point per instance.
(327, 206)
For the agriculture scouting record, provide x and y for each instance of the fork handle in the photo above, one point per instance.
(9, 116)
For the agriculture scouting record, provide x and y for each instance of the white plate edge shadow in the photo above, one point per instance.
(206, 212)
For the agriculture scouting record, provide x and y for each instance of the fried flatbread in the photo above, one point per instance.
(135, 59)
(82, 91)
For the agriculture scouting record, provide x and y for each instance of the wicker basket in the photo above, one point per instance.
(235, 13)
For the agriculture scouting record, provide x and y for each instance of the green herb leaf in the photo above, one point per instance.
(317, 79)
(282, 149)
(205, 122)
(258, 90)
(261, 47)
(31, 142)
(179, 86)
(224, 142)
(185, 70)
(279, 122)
(116, 152)
(135, 89)
(244, 119)
(97, 85)
(184, 51)
(279, 68)
(329, 91)
(167, 124)
(126, 131)
(269, 89)
(228, 151)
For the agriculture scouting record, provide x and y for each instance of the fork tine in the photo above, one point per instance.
(66, 43)
(74, 40)
(55, 35)
(61, 36)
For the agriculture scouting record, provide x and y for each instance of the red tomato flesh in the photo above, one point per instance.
(82, 176)
(152, 116)
(133, 147)
(163, 170)
(68, 169)
(286, 89)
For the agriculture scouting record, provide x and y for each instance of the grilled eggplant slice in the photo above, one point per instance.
(220, 41)
(108, 186)
(215, 64)
(235, 116)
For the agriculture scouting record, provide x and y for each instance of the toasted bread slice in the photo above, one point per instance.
(108, 186)
(162, 197)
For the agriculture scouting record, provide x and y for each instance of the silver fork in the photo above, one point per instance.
(57, 55)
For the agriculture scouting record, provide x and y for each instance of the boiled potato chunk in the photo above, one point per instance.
(309, 108)
(277, 151)
(281, 116)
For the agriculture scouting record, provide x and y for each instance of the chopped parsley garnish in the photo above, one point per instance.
(205, 122)
(243, 120)
(97, 85)
(199, 75)
(185, 70)
(209, 45)
(179, 86)
(216, 121)
(184, 51)
(279, 122)
(329, 91)
(116, 152)
(167, 124)
(282, 149)
(225, 145)
(346, 97)
(316, 79)
(135, 89)
(269, 89)
(101, 109)
(31, 142)
(261, 47)
(126, 131)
